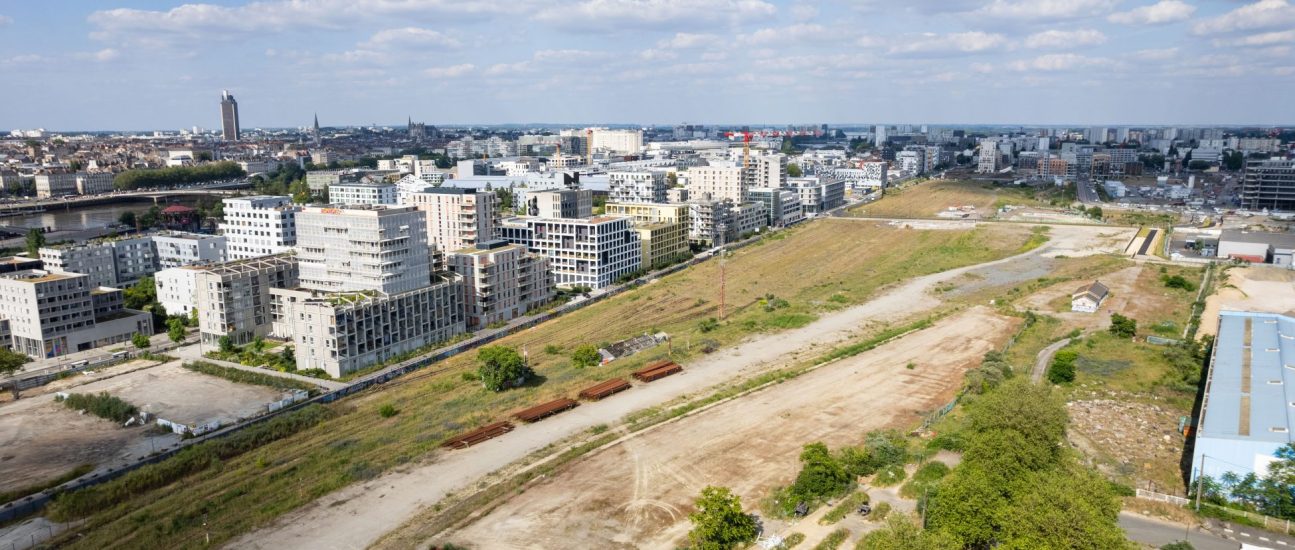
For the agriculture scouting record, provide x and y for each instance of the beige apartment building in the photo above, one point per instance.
(501, 281)
(662, 230)
(456, 217)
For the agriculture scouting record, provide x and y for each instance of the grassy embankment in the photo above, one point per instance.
(815, 268)
(925, 200)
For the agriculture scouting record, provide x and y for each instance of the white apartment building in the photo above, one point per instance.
(233, 298)
(501, 281)
(622, 142)
(319, 180)
(54, 314)
(709, 221)
(816, 195)
(363, 193)
(782, 206)
(363, 247)
(177, 248)
(55, 185)
(115, 262)
(636, 187)
(259, 226)
(592, 252)
(911, 162)
(875, 174)
(716, 183)
(456, 217)
(767, 171)
(988, 161)
(177, 289)
(94, 183)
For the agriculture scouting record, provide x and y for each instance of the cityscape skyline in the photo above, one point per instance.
(990, 62)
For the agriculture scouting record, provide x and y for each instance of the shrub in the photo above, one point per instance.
(846, 507)
(833, 540)
(101, 405)
(388, 410)
(1062, 369)
(888, 476)
(586, 356)
(1177, 281)
(502, 368)
(1123, 326)
(923, 479)
(707, 325)
(140, 340)
(553, 349)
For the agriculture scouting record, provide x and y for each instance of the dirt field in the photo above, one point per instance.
(930, 199)
(1265, 289)
(41, 439)
(638, 494)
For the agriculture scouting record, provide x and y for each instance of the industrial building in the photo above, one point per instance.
(1246, 414)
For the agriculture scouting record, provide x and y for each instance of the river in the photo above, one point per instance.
(77, 219)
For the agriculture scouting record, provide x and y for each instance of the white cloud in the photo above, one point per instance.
(1164, 11)
(609, 14)
(505, 69)
(1264, 14)
(1034, 10)
(800, 32)
(654, 54)
(106, 54)
(1161, 54)
(22, 59)
(452, 71)
(409, 38)
(803, 12)
(1261, 39)
(1058, 62)
(952, 43)
(684, 41)
(5, 20)
(1056, 39)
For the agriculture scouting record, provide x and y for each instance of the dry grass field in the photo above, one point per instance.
(818, 267)
(927, 199)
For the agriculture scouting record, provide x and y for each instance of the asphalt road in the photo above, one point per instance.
(1087, 194)
(1158, 533)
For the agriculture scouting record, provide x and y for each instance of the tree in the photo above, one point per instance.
(35, 240)
(502, 368)
(150, 218)
(901, 532)
(1075, 508)
(821, 476)
(719, 523)
(193, 317)
(1095, 212)
(1123, 326)
(672, 179)
(793, 170)
(127, 219)
(586, 356)
(1034, 411)
(1062, 370)
(140, 340)
(141, 295)
(226, 344)
(11, 361)
(175, 329)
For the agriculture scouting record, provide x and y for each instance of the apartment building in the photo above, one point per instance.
(989, 157)
(362, 193)
(501, 281)
(636, 187)
(178, 248)
(177, 289)
(363, 247)
(560, 203)
(592, 252)
(54, 314)
(782, 206)
(94, 183)
(767, 171)
(621, 142)
(113, 262)
(662, 230)
(233, 298)
(320, 180)
(716, 183)
(709, 222)
(818, 195)
(875, 174)
(748, 218)
(456, 217)
(259, 226)
(55, 185)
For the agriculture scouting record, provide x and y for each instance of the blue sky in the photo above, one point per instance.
(114, 64)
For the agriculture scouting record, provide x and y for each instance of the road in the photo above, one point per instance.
(1086, 193)
(1157, 533)
(1044, 358)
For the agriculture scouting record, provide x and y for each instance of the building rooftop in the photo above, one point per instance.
(1279, 240)
(39, 276)
(1245, 393)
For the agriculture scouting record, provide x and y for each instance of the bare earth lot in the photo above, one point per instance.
(42, 439)
(1265, 289)
(638, 494)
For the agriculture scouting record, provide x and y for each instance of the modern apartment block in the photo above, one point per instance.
(177, 289)
(113, 262)
(636, 187)
(716, 183)
(319, 180)
(592, 252)
(875, 174)
(342, 332)
(560, 203)
(177, 248)
(363, 247)
(767, 171)
(501, 281)
(456, 217)
(55, 185)
(53, 314)
(662, 230)
(362, 193)
(748, 218)
(259, 226)
(233, 298)
(709, 222)
(818, 195)
(782, 206)
(1269, 184)
(989, 156)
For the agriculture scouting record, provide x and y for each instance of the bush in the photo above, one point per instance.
(249, 377)
(140, 340)
(833, 540)
(1123, 326)
(888, 476)
(821, 476)
(1177, 281)
(586, 356)
(502, 368)
(101, 405)
(707, 325)
(553, 349)
(388, 410)
(880, 511)
(924, 479)
(1062, 369)
(846, 507)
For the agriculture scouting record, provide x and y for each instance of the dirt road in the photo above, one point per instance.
(638, 494)
(358, 515)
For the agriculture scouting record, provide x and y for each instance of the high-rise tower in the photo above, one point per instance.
(228, 116)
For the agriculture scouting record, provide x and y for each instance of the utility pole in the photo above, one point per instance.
(721, 285)
(1200, 482)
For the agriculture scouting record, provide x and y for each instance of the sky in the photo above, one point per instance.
(136, 65)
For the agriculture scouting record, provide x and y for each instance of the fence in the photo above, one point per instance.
(1267, 522)
(32, 536)
(34, 503)
(1161, 497)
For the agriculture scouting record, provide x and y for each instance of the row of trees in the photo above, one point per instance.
(1270, 495)
(176, 175)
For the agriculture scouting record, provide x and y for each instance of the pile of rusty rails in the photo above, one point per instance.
(604, 389)
(478, 435)
(545, 410)
(656, 370)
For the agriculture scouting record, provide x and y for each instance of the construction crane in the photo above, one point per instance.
(747, 135)
(746, 146)
(589, 146)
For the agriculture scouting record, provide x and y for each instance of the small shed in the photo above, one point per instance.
(1089, 297)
